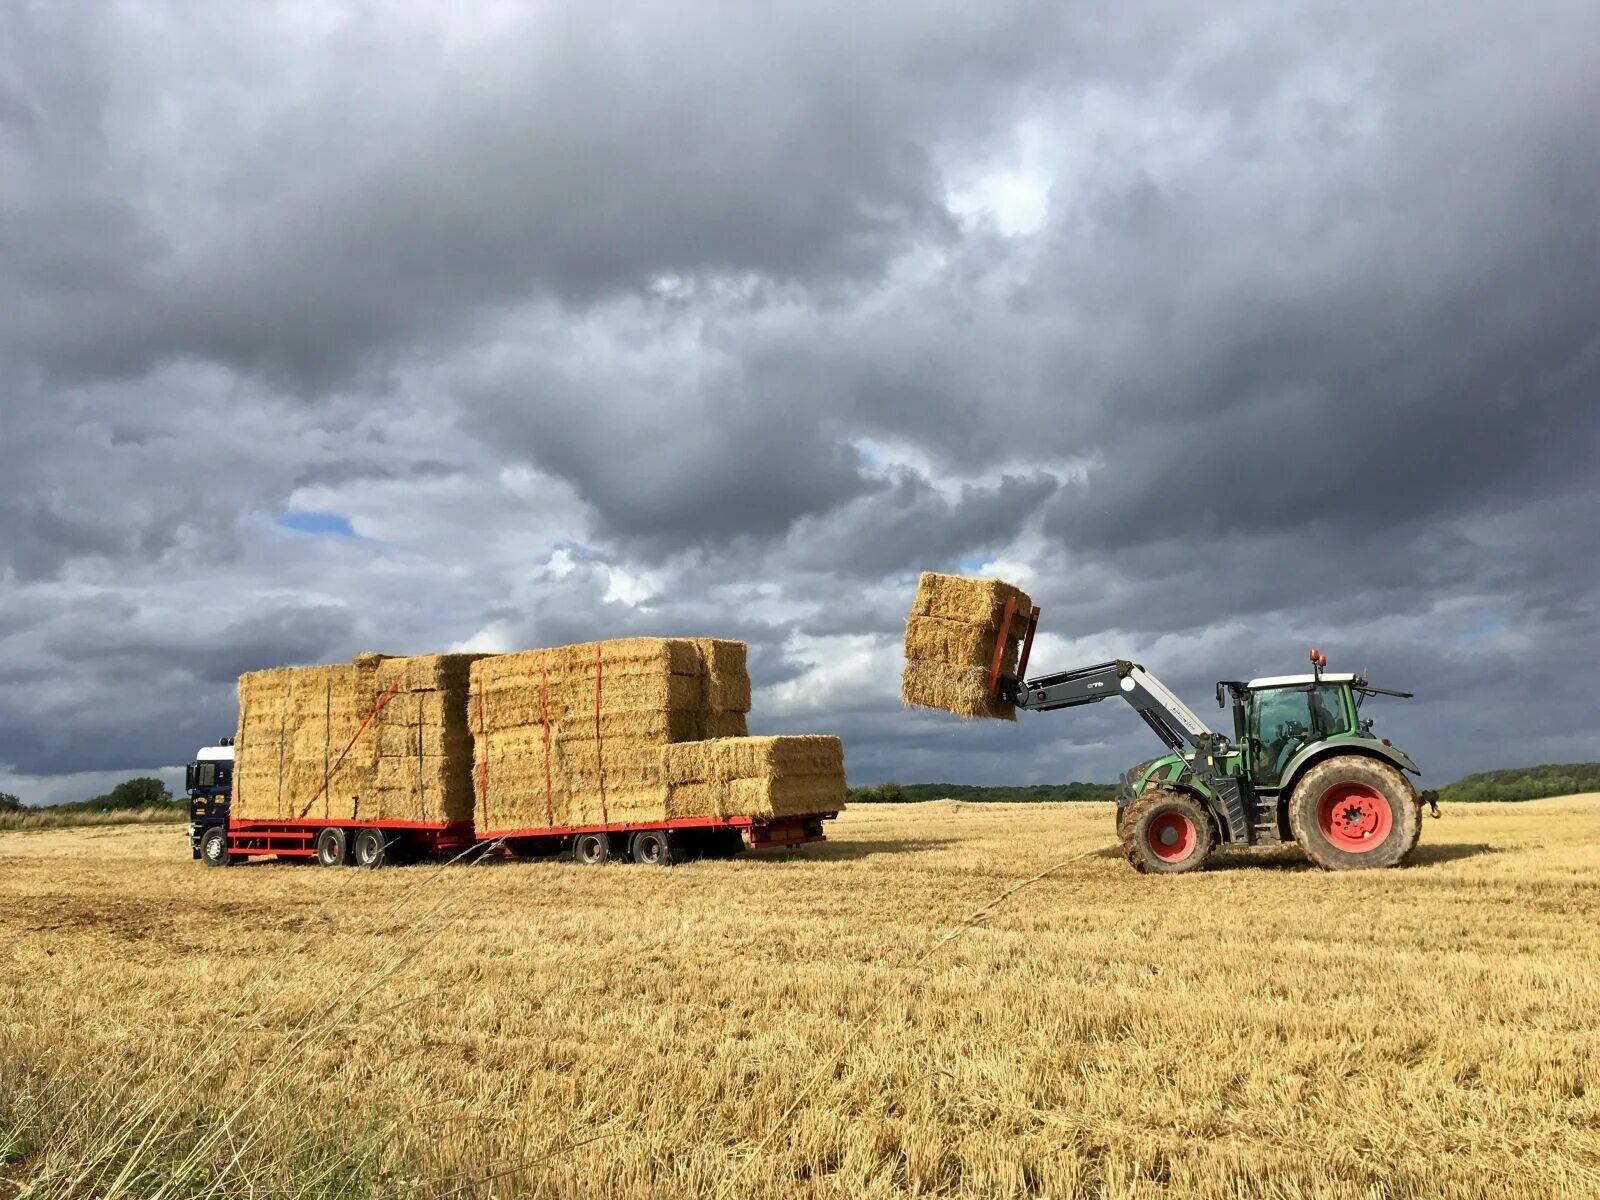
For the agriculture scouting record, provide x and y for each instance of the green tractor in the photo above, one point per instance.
(1302, 765)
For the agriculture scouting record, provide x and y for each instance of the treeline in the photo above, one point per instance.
(911, 793)
(128, 795)
(1524, 783)
(1518, 783)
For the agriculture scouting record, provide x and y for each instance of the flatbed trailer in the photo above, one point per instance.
(220, 842)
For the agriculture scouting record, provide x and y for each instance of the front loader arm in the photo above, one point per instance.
(1169, 717)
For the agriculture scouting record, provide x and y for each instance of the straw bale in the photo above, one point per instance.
(758, 777)
(637, 804)
(697, 799)
(400, 741)
(655, 727)
(958, 690)
(957, 643)
(971, 601)
(686, 762)
(582, 765)
(771, 757)
(298, 724)
(793, 796)
(949, 643)
(637, 655)
(726, 674)
(724, 725)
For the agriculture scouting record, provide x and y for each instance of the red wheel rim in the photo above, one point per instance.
(1171, 836)
(1354, 817)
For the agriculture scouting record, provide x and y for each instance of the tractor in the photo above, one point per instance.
(1302, 765)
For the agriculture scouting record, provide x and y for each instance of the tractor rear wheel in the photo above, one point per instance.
(1351, 811)
(1166, 832)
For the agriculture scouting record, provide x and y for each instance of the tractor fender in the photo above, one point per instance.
(1367, 747)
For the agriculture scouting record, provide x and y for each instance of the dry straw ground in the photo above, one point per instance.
(804, 1025)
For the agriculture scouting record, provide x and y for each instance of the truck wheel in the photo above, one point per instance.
(650, 848)
(1352, 811)
(333, 848)
(371, 849)
(214, 850)
(590, 849)
(1164, 832)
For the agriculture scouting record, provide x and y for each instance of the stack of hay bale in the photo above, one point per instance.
(421, 745)
(754, 776)
(294, 722)
(379, 738)
(950, 639)
(631, 731)
(571, 735)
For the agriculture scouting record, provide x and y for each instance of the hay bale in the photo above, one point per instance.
(769, 757)
(792, 796)
(726, 674)
(758, 777)
(949, 643)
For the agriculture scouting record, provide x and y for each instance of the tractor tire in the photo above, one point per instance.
(1166, 832)
(1351, 812)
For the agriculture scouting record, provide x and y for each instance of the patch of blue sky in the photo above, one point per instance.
(314, 521)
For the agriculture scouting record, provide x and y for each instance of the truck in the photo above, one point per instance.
(218, 839)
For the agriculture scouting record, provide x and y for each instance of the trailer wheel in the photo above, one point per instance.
(590, 849)
(1351, 811)
(651, 848)
(1165, 832)
(371, 849)
(214, 850)
(333, 847)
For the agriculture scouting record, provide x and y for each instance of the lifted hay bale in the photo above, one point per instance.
(950, 638)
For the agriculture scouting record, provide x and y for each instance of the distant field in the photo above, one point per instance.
(62, 818)
(805, 1024)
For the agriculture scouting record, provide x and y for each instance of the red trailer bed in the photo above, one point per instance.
(374, 843)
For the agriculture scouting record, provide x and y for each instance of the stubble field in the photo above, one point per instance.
(835, 1022)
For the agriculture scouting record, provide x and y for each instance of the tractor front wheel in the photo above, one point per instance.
(1165, 832)
(1352, 811)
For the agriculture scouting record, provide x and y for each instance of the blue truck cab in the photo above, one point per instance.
(209, 782)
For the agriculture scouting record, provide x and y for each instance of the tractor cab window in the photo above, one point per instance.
(1282, 720)
(205, 774)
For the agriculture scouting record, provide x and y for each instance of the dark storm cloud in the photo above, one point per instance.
(111, 634)
(394, 187)
(1231, 331)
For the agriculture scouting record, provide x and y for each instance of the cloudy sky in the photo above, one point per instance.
(1225, 330)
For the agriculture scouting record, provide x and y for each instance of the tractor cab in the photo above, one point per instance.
(1280, 720)
(1285, 714)
(209, 783)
